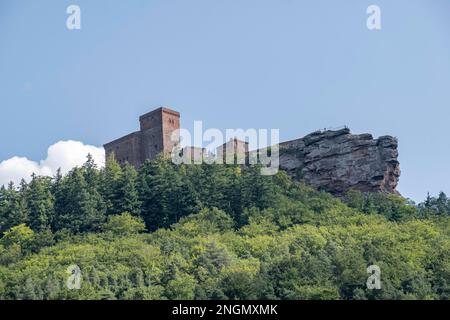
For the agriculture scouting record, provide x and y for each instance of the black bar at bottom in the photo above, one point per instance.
(181, 310)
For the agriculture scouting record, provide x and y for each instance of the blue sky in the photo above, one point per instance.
(289, 64)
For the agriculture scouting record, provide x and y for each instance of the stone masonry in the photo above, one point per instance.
(153, 138)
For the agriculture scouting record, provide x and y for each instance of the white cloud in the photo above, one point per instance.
(63, 154)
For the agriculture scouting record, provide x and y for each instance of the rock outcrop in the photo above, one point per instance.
(337, 161)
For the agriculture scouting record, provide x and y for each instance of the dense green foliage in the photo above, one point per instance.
(214, 231)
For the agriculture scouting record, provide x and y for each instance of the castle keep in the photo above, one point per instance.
(153, 138)
(334, 161)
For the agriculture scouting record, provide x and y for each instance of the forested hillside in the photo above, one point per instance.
(215, 232)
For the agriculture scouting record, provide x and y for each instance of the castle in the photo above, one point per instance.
(334, 161)
(153, 138)
(158, 134)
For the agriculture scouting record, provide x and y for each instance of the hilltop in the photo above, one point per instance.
(215, 232)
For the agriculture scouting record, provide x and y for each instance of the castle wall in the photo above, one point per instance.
(156, 128)
(233, 151)
(126, 149)
(194, 154)
(170, 123)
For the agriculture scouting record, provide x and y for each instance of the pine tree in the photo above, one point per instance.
(127, 196)
(442, 204)
(91, 173)
(110, 177)
(164, 193)
(257, 190)
(13, 209)
(79, 207)
(152, 195)
(39, 200)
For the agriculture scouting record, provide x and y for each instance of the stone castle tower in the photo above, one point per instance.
(153, 138)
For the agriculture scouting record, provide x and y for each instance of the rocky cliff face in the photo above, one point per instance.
(337, 161)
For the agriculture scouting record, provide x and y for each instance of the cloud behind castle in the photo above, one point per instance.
(63, 154)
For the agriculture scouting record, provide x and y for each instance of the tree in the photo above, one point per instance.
(40, 203)
(21, 235)
(442, 204)
(127, 196)
(164, 193)
(91, 174)
(239, 285)
(124, 224)
(79, 207)
(110, 177)
(257, 190)
(182, 287)
(13, 209)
